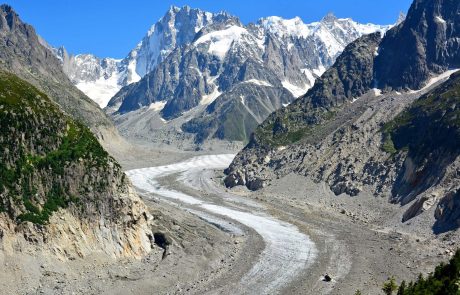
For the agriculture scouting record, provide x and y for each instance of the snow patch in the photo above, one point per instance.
(209, 98)
(259, 82)
(291, 27)
(101, 90)
(439, 20)
(294, 89)
(319, 71)
(377, 92)
(133, 76)
(221, 41)
(443, 76)
(308, 73)
(157, 106)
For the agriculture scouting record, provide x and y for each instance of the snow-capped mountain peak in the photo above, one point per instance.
(286, 27)
(329, 18)
(177, 27)
(217, 33)
(101, 79)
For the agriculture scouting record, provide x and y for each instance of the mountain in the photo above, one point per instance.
(22, 53)
(98, 78)
(221, 68)
(102, 78)
(60, 191)
(432, 46)
(387, 142)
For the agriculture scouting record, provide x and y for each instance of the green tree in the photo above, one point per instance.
(445, 280)
(402, 288)
(390, 286)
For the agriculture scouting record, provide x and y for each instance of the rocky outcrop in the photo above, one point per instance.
(430, 133)
(60, 191)
(237, 113)
(448, 213)
(427, 42)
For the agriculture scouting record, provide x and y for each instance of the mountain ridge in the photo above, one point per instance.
(143, 59)
(223, 57)
(340, 136)
(60, 191)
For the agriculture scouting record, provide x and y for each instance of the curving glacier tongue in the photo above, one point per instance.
(287, 251)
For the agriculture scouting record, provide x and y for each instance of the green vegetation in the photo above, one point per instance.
(237, 126)
(444, 281)
(56, 199)
(431, 122)
(37, 146)
(290, 132)
(390, 286)
(388, 145)
(78, 143)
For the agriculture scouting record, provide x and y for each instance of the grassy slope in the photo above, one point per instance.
(431, 122)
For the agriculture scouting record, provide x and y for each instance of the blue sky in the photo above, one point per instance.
(113, 27)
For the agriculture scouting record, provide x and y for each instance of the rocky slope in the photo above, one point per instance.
(60, 191)
(276, 57)
(341, 131)
(22, 53)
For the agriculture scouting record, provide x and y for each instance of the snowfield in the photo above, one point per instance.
(221, 41)
(287, 251)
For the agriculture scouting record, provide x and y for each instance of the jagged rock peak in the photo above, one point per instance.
(10, 16)
(329, 18)
(5, 8)
(426, 43)
(401, 18)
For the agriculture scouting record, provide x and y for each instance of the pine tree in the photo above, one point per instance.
(402, 288)
(390, 286)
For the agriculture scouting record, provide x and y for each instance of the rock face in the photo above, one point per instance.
(236, 114)
(428, 41)
(430, 132)
(401, 145)
(22, 53)
(224, 59)
(59, 189)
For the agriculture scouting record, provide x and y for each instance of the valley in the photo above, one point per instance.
(280, 240)
(343, 245)
(226, 156)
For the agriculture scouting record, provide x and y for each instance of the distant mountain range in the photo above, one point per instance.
(216, 67)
